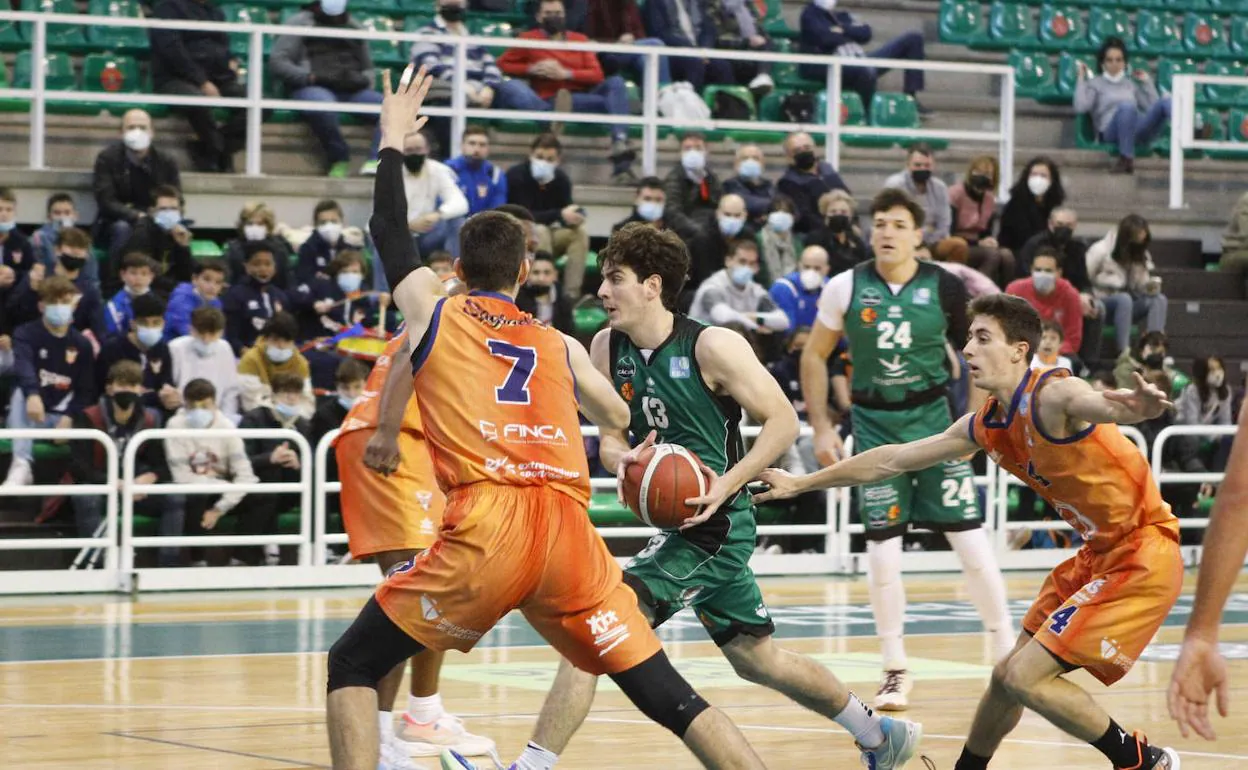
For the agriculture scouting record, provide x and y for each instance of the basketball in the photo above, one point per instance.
(656, 486)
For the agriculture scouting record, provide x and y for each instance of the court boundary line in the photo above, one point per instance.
(214, 750)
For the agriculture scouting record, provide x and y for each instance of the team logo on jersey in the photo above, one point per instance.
(893, 368)
(155, 365)
(489, 431)
(626, 391)
(895, 311)
(424, 499)
(625, 368)
(870, 296)
(868, 315)
(923, 296)
(678, 368)
(71, 355)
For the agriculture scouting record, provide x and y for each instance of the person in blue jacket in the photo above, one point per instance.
(482, 183)
(204, 288)
(797, 293)
(137, 272)
(72, 257)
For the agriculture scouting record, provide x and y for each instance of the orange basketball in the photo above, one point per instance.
(656, 486)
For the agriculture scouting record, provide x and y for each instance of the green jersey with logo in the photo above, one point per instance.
(897, 340)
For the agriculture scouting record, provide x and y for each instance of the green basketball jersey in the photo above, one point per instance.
(897, 340)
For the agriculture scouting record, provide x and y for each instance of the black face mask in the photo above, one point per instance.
(72, 264)
(981, 181)
(804, 160)
(921, 175)
(838, 223)
(125, 400)
(1062, 235)
(452, 13)
(414, 162)
(553, 25)
(1155, 360)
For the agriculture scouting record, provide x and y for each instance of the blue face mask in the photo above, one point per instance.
(199, 418)
(149, 335)
(651, 211)
(286, 410)
(167, 219)
(201, 348)
(350, 282)
(750, 169)
(780, 221)
(6, 227)
(347, 401)
(742, 275)
(58, 315)
(278, 355)
(730, 226)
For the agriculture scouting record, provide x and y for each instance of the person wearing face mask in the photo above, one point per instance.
(54, 366)
(435, 204)
(1072, 251)
(204, 288)
(165, 237)
(316, 252)
(206, 459)
(1147, 357)
(1121, 270)
(806, 180)
(16, 251)
(73, 253)
(483, 184)
(540, 296)
(731, 296)
(1036, 194)
(331, 410)
(543, 188)
(1206, 400)
(143, 344)
(250, 304)
(324, 69)
(327, 306)
(930, 191)
(62, 216)
(693, 191)
(708, 251)
(257, 222)
(750, 184)
(648, 205)
(797, 293)
(974, 204)
(275, 352)
(838, 232)
(137, 271)
(120, 413)
(1124, 107)
(203, 353)
(1054, 298)
(779, 246)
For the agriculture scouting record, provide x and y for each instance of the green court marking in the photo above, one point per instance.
(712, 672)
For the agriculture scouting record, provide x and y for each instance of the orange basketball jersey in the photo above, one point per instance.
(1097, 479)
(364, 413)
(498, 398)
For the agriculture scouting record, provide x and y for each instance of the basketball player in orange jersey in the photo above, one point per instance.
(392, 509)
(1200, 669)
(499, 394)
(1097, 610)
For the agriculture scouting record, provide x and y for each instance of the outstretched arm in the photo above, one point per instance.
(598, 399)
(875, 464)
(1082, 404)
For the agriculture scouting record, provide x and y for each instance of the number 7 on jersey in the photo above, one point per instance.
(515, 389)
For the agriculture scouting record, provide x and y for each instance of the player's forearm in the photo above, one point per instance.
(611, 447)
(776, 436)
(1097, 409)
(388, 225)
(873, 465)
(814, 376)
(395, 393)
(1226, 541)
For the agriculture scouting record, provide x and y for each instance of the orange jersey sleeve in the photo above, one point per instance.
(498, 398)
(364, 413)
(1097, 480)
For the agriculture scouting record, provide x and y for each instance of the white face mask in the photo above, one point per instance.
(811, 279)
(543, 171)
(1038, 185)
(1114, 78)
(199, 418)
(750, 169)
(826, 5)
(255, 232)
(137, 139)
(330, 231)
(780, 221)
(693, 160)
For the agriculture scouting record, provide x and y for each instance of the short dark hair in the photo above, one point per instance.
(1046, 250)
(782, 202)
(328, 204)
(199, 389)
(441, 255)
(7, 194)
(286, 382)
(1149, 339)
(737, 244)
(60, 197)
(517, 211)
(1019, 320)
(693, 135)
(547, 141)
(166, 191)
(210, 263)
(282, 326)
(148, 305)
(492, 246)
(1049, 325)
(344, 259)
(919, 148)
(475, 129)
(350, 370)
(137, 260)
(651, 183)
(73, 238)
(124, 372)
(648, 251)
(891, 197)
(56, 287)
(544, 256)
(252, 248)
(1110, 44)
(207, 319)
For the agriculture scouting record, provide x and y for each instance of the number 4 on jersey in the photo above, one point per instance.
(1060, 619)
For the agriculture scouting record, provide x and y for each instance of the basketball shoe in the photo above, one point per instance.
(450, 760)
(894, 691)
(901, 741)
(394, 756)
(428, 739)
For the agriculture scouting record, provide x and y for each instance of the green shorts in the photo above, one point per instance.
(672, 573)
(941, 498)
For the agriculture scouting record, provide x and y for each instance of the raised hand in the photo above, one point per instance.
(400, 108)
(1146, 399)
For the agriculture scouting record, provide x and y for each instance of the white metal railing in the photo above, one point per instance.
(1183, 126)
(460, 113)
(1175, 477)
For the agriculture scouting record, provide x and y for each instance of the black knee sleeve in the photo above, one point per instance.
(662, 694)
(368, 650)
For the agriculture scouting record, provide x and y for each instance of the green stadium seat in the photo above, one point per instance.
(11, 37)
(1203, 34)
(1104, 23)
(1237, 131)
(1206, 116)
(117, 39)
(1168, 68)
(383, 7)
(203, 249)
(246, 14)
(61, 37)
(853, 113)
(893, 110)
(786, 75)
(1068, 74)
(587, 319)
(59, 75)
(1188, 5)
(961, 21)
(1237, 38)
(605, 510)
(1086, 137)
(1157, 34)
(43, 450)
(384, 52)
(110, 73)
(1228, 6)
(774, 24)
(1033, 74)
(1061, 27)
(11, 105)
(1224, 96)
(1010, 25)
(273, 89)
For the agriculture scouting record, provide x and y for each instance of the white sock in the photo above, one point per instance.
(986, 587)
(861, 722)
(424, 710)
(535, 757)
(385, 721)
(888, 599)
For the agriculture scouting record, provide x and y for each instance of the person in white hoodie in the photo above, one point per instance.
(436, 207)
(1120, 269)
(205, 354)
(206, 460)
(731, 296)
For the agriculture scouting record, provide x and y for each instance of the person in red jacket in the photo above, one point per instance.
(1054, 298)
(567, 81)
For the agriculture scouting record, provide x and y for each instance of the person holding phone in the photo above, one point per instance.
(1121, 271)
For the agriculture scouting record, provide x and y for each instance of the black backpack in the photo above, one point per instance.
(729, 106)
(798, 108)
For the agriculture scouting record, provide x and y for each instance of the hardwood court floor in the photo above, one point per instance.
(237, 681)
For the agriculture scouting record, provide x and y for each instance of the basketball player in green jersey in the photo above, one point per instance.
(898, 314)
(687, 383)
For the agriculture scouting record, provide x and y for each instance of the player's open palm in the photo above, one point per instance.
(1199, 671)
(628, 459)
(781, 485)
(1146, 399)
(828, 447)
(400, 108)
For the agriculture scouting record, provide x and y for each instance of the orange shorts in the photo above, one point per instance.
(527, 548)
(399, 512)
(1098, 611)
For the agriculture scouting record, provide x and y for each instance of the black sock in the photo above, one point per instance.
(969, 761)
(1124, 750)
